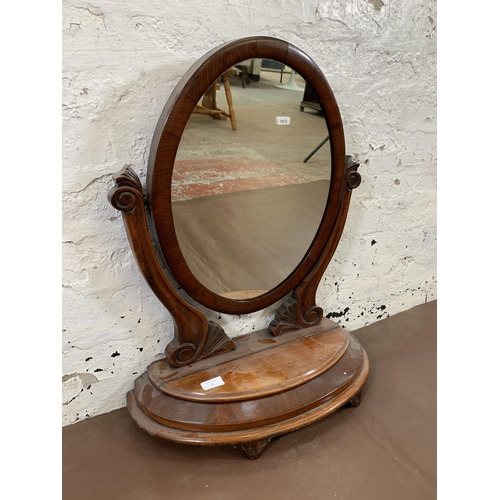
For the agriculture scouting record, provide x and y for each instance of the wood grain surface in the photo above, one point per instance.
(237, 422)
(259, 366)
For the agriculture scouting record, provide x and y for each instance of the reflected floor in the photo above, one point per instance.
(244, 243)
(214, 159)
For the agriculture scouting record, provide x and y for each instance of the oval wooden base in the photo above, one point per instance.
(249, 424)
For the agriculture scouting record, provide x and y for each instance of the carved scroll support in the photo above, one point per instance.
(289, 317)
(195, 338)
(300, 310)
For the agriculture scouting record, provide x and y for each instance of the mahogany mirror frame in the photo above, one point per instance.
(167, 137)
(150, 226)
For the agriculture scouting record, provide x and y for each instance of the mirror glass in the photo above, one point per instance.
(246, 207)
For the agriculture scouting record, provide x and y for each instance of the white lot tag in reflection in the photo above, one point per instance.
(282, 120)
(213, 382)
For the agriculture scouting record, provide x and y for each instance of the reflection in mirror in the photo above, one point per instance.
(246, 207)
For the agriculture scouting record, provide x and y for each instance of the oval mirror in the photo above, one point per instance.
(245, 206)
(240, 217)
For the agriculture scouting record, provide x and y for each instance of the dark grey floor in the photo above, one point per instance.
(384, 449)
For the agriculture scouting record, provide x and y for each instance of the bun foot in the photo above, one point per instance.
(356, 400)
(254, 449)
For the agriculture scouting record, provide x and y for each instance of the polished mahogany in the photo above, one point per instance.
(299, 369)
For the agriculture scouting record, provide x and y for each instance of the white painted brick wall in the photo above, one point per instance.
(122, 60)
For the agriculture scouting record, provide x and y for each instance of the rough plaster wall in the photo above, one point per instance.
(121, 60)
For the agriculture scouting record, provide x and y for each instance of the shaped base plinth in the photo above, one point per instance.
(249, 420)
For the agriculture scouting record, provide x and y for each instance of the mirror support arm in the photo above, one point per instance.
(195, 338)
(300, 310)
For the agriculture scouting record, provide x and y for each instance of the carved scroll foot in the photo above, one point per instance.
(254, 449)
(289, 317)
(217, 341)
(356, 400)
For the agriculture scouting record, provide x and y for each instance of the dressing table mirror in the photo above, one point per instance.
(232, 214)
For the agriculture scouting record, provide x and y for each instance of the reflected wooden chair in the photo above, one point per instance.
(208, 104)
(243, 67)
